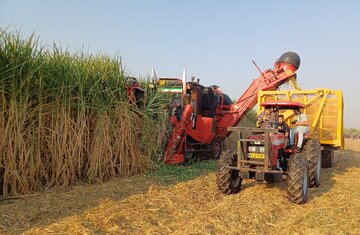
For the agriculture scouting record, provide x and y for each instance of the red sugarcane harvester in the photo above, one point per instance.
(206, 114)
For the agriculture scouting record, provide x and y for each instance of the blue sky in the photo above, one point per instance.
(215, 39)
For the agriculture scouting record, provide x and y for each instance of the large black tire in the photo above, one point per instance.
(297, 178)
(216, 147)
(327, 157)
(228, 180)
(312, 152)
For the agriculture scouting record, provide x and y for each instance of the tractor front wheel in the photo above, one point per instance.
(228, 180)
(312, 151)
(297, 178)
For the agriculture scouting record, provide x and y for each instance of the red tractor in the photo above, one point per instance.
(263, 153)
(207, 114)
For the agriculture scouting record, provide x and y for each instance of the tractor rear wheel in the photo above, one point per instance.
(297, 178)
(312, 152)
(228, 180)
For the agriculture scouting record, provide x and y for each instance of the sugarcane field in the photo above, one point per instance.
(158, 117)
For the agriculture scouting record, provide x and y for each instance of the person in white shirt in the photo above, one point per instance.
(302, 127)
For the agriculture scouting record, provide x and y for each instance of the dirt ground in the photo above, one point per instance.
(142, 205)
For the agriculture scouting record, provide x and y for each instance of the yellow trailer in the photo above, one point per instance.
(324, 108)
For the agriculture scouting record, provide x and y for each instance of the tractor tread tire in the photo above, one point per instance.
(224, 176)
(312, 152)
(297, 170)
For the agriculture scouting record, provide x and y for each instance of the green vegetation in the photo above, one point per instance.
(66, 117)
(168, 174)
(250, 119)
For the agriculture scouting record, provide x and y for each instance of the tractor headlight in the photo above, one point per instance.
(252, 148)
(262, 149)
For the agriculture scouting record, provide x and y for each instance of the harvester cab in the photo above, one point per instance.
(263, 152)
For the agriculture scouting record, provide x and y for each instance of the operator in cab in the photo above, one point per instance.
(302, 128)
(221, 97)
(283, 128)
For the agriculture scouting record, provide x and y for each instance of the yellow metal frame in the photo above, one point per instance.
(319, 118)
